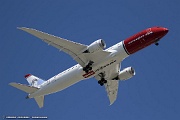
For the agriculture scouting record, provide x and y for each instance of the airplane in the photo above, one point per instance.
(93, 61)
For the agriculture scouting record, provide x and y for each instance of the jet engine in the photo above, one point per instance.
(96, 46)
(126, 73)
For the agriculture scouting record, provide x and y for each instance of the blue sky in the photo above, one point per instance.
(152, 94)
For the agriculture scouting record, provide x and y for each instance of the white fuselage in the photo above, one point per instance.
(75, 74)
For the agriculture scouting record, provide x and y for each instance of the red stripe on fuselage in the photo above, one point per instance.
(88, 74)
(144, 39)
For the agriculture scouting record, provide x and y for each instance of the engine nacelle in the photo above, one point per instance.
(126, 73)
(96, 46)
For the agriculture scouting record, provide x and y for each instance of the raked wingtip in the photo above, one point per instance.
(21, 28)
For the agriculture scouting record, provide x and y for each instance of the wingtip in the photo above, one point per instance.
(26, 29)
(12, 83)
(21, 28)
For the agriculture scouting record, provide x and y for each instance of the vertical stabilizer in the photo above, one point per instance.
(33, 80)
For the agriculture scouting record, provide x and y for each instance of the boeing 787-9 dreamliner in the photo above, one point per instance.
(93, 61)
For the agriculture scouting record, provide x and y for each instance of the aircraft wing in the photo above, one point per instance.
(72, 48)
(112, 85)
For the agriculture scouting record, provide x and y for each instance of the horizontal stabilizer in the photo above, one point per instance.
(25, 88)
(112, 90)
(40, 101)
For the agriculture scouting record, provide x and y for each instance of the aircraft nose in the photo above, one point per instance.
(166, 30)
